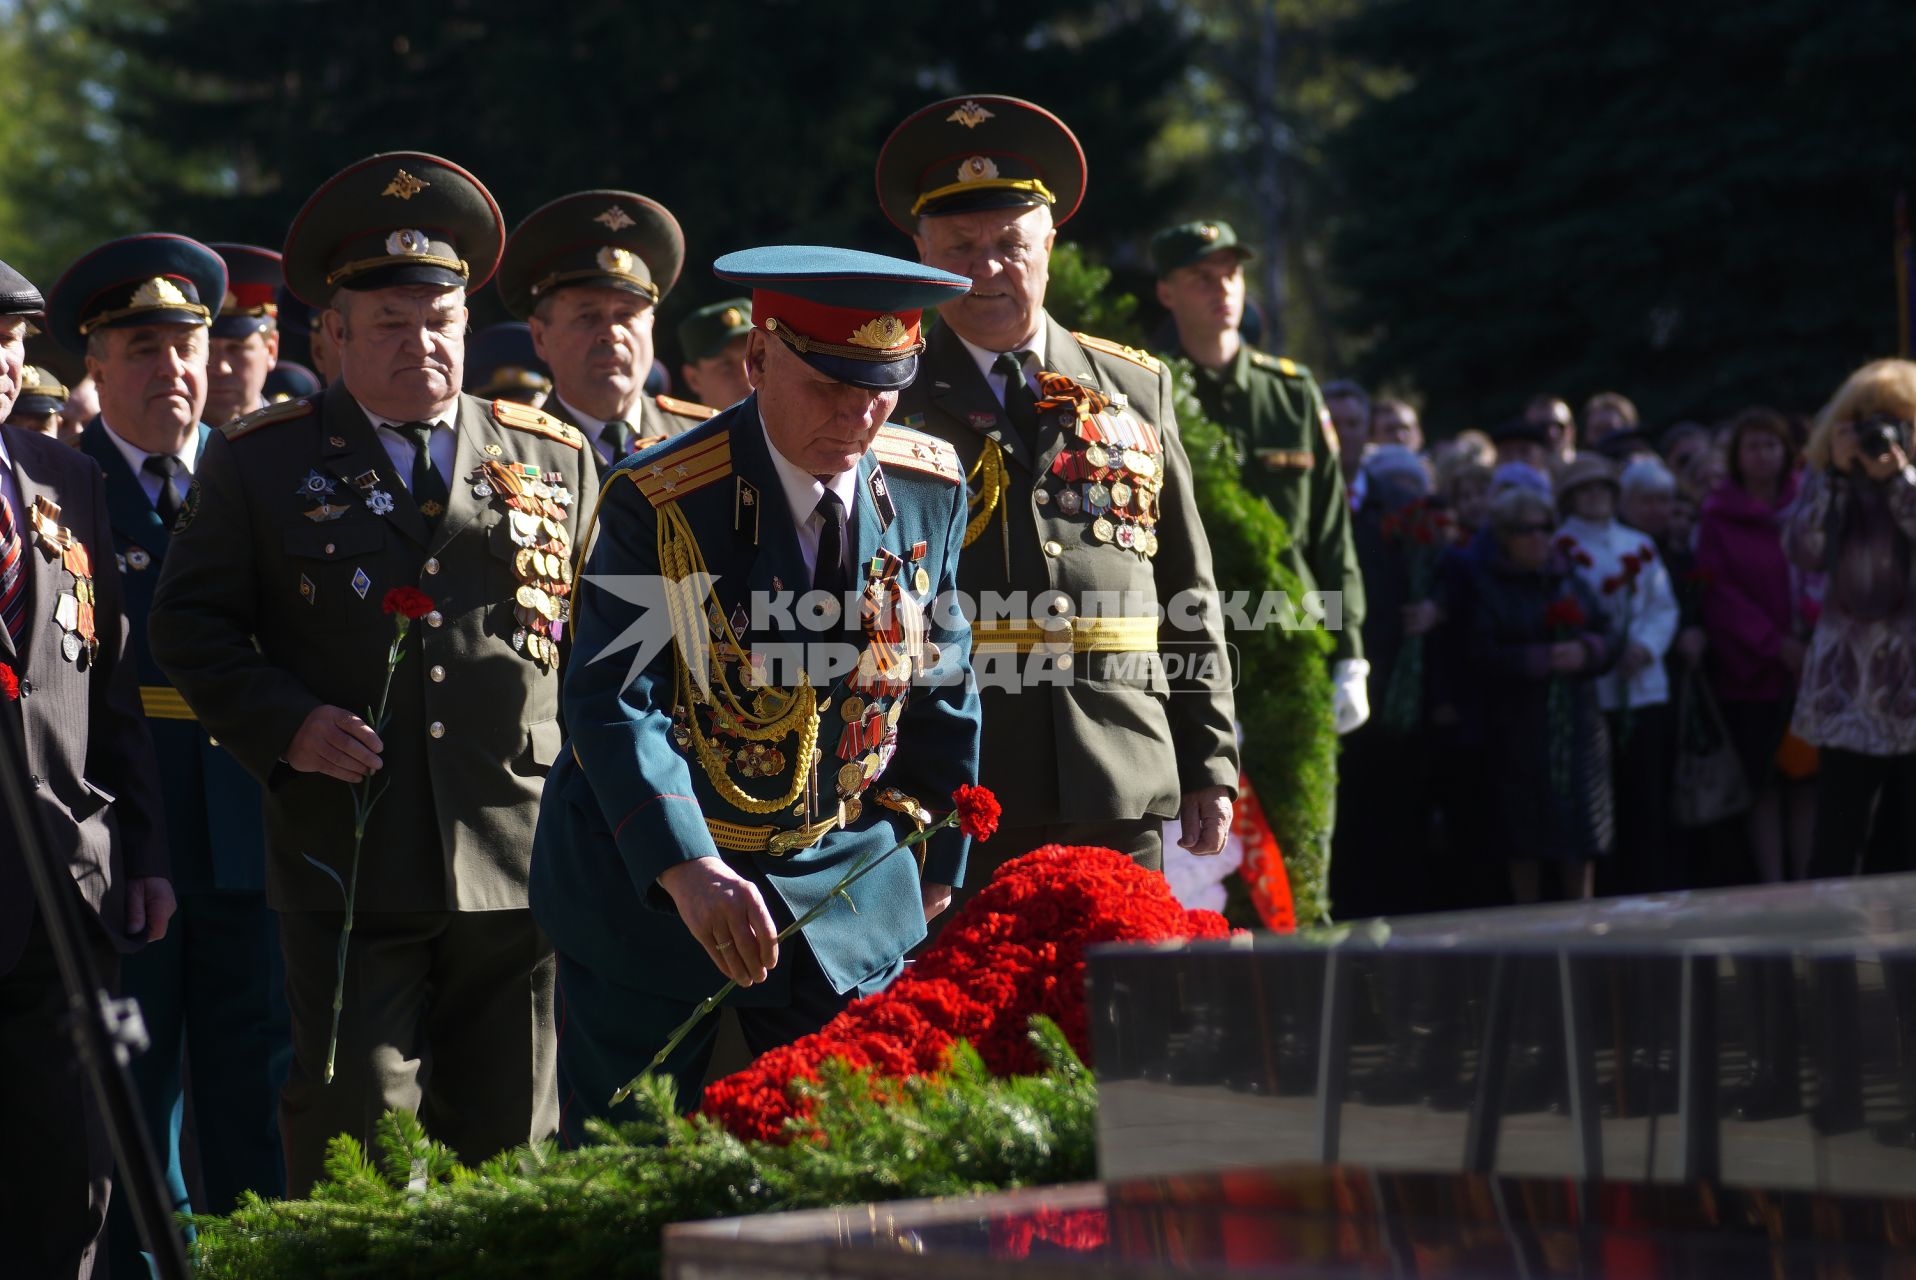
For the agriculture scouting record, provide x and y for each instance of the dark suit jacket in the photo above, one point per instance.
(213, 825)
(90, 765)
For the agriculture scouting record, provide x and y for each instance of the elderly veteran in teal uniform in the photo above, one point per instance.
(588, 271)
(139, 311)
(1084, 516)
(245, 335)
(692, 815)
(712, 340)
(269, 619)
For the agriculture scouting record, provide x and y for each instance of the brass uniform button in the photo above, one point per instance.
(437, 729)
(1052, 547)
(432, 565)
(435, 618)
(438, 673)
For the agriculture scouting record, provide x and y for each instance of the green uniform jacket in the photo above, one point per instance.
(1103, 738)
(265, 611)
(659, 418)
(1276, 416)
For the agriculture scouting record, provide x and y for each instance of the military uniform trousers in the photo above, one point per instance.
(609, 1032)
(56, 1165)
(212, 995)
(447, 1014)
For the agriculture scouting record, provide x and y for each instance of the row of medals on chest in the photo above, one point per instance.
(869, 733)
(1114, 487)
(537, 503)
(72, 609)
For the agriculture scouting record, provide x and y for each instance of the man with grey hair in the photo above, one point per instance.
(1081, 488)
(273, 619)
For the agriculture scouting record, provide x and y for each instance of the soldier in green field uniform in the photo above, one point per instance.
(587, 272)
(1276, 415)
(269, 620)
(1079, 486)
(712, 340)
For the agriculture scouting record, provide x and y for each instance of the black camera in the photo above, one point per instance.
(1877, 434)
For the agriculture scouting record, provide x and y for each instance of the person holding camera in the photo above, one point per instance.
(1855, 522)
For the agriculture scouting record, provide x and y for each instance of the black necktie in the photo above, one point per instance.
(429, 490)
(829, 573)
(618, 437)
(167, 468)
(1021, 406)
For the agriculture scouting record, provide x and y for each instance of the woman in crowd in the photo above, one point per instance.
(1621, 566)
(1754, 606)
(1856, 522)
(1463, 484)
(1534, 640)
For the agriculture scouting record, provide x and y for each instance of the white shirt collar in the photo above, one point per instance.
(985, 359)
(803, 490)
(6, 457)
(188, 454)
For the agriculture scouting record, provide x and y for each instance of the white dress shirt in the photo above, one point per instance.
(189, 456)
(802, 493)
(995, 379)
(592, 426)
(399, 447)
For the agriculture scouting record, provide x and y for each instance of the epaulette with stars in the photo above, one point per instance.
(523, 417)
(910, 450)
(284, 411)
(683, 470)
(684, 408)
(1143, 359)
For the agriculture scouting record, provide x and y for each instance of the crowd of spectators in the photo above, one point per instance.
(1611, 660)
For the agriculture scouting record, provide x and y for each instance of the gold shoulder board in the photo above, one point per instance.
(1143, 359)
(916, 451)
(684, 470)
(684, 408)
(284, 411)
(523, 417)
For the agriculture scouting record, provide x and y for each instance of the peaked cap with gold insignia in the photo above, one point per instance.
(612, 239)
(980, 151)
(253, 281)
(851, 315)
(154, 278)
(402, 217)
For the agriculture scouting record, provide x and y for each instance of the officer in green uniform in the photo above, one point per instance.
(1276, 415)
(501, 365)
(721, 780)
(269, 620)
(1084, 519)
(211, 988)
(712, 339)
(588, 271)
(42, 399)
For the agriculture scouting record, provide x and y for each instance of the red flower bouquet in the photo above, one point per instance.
(1015, 950)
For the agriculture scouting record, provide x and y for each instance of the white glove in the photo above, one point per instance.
(1350, 699)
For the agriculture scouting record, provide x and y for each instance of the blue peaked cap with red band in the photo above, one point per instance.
(851, 315)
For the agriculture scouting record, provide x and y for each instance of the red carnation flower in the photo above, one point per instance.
(411, 602)
(1424, 534)
(1566, 613)
(1581, 558)
(978, 811)
(1612, 584)
(9, 684)
(1566, 544)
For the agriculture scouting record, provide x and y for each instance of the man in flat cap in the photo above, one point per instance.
(712, 339)
(271, 620)
(245, 339)
(588, 272)
(691, 817)
(1081, 488)
(211, 989)
(70, 695)
(41, 400)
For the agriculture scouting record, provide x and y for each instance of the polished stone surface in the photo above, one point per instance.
(1316, 1222)
(1760, 1037)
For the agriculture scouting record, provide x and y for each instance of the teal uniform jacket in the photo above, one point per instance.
(627, 801)
(214, 825)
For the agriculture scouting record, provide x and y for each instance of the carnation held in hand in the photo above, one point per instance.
(1015, 950)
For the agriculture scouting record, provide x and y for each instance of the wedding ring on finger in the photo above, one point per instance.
(722, 946)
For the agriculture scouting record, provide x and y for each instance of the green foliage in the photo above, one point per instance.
(598, 1211)
(1284, 690)
(1690, 203)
